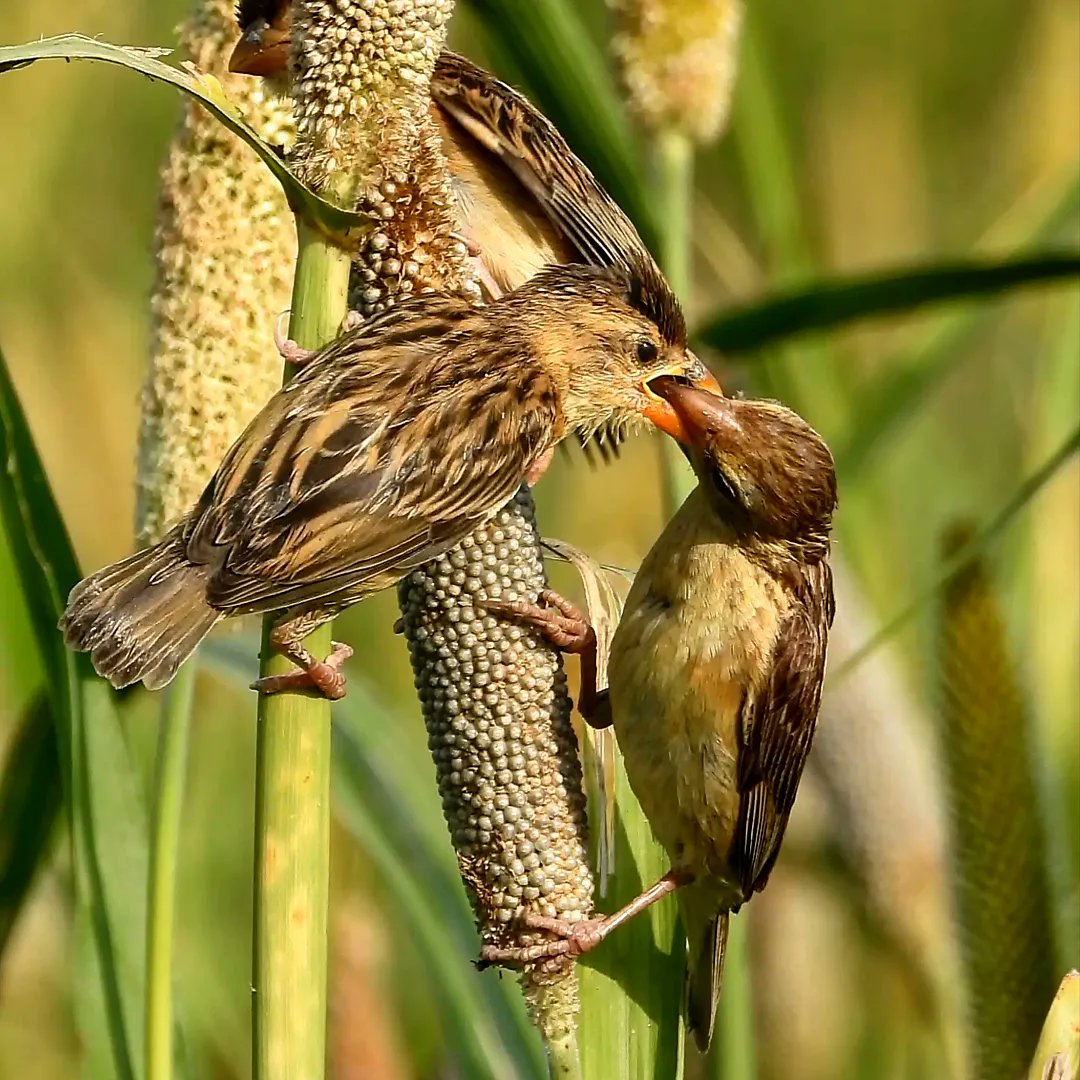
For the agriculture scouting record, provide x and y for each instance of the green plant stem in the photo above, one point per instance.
(161, 884)
(292, 785)
(673, 179)
(631, 987)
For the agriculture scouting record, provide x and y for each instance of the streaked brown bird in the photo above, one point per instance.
(524, 199)
(393, 443)
(715, 671)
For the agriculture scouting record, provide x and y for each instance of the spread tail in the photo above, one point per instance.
(706, 936)
(142, 617)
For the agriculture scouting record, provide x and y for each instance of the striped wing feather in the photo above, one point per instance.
(384, 451)
(778, 725)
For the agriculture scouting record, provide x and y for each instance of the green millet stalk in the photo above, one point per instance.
(1001, 887)
(494, 698)
(224, 251)
(678, 59)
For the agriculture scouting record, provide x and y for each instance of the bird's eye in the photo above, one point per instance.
(724, 486)
(647, 351)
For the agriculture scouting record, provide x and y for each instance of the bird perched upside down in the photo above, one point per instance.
(715, 671)
(524, 199)
(393, 443)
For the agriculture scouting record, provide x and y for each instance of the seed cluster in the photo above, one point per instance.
(498, 719)
(679, 61)
(997, 834)
(365, 135)
(224, 251)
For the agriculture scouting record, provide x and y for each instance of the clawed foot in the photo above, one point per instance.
(295, 354)
(479, 268)
(325, 676)
(570, 939)
(560, 623)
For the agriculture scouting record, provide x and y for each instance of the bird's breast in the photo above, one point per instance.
(696, 635)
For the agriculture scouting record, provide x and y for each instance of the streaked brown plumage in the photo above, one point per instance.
(393, 443)
(524, 199)
(716, 667)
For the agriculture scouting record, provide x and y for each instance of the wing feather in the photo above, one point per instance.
(384, 451)
(507, 125)
(777, 727)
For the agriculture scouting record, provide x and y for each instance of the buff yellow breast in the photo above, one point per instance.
(697, 632)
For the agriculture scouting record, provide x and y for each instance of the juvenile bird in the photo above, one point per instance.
(393, 443)
(524, 199)
(715, 671)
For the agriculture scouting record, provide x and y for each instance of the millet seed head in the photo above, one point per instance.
(679, 59)
(224, 250)
(498, 719)
(366, 137)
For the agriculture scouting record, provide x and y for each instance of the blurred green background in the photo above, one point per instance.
(863, 136)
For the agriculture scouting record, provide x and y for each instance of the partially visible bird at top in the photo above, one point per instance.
(393, 443)
(524, 199)
(715, 672)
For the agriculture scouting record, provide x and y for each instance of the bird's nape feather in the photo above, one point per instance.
(142, 617)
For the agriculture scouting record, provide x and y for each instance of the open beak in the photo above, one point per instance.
(671, 395)
(263, 50)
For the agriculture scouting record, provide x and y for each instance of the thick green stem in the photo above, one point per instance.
(161, 884)
(292, 786)
(632, 986)
(673, 180)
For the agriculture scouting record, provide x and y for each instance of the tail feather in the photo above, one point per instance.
(706, 935)
(142, 617)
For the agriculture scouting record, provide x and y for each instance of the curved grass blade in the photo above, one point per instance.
(1058, 1054)
(344, 226)
(30, 802)
(106, 817)
(975, 546)
(831, 305)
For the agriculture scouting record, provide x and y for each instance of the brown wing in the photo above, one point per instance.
(384, 451)
(507, 125)
(777, 727)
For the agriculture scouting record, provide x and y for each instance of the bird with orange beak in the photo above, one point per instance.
(715, 671)
(392, 444)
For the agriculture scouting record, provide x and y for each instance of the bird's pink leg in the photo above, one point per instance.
(298, 356)
(573, 939)
(539, 466)
(565, 627)
(483, 275)
(324, 676)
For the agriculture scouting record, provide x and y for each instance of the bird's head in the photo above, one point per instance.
(766, 471)
(605, 337)
(265, 38)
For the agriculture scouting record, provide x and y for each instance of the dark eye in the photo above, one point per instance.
(724, 486)
(647, 351)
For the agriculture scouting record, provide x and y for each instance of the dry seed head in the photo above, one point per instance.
(1001, 886)
(498, 719)
(679, 59)
(224, 250)
(366, 136)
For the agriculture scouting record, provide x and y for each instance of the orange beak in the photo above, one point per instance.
(263, 50)
(675, 406)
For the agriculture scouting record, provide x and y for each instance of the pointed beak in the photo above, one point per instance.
(697, 410)
(263, 50)
(664, 388)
